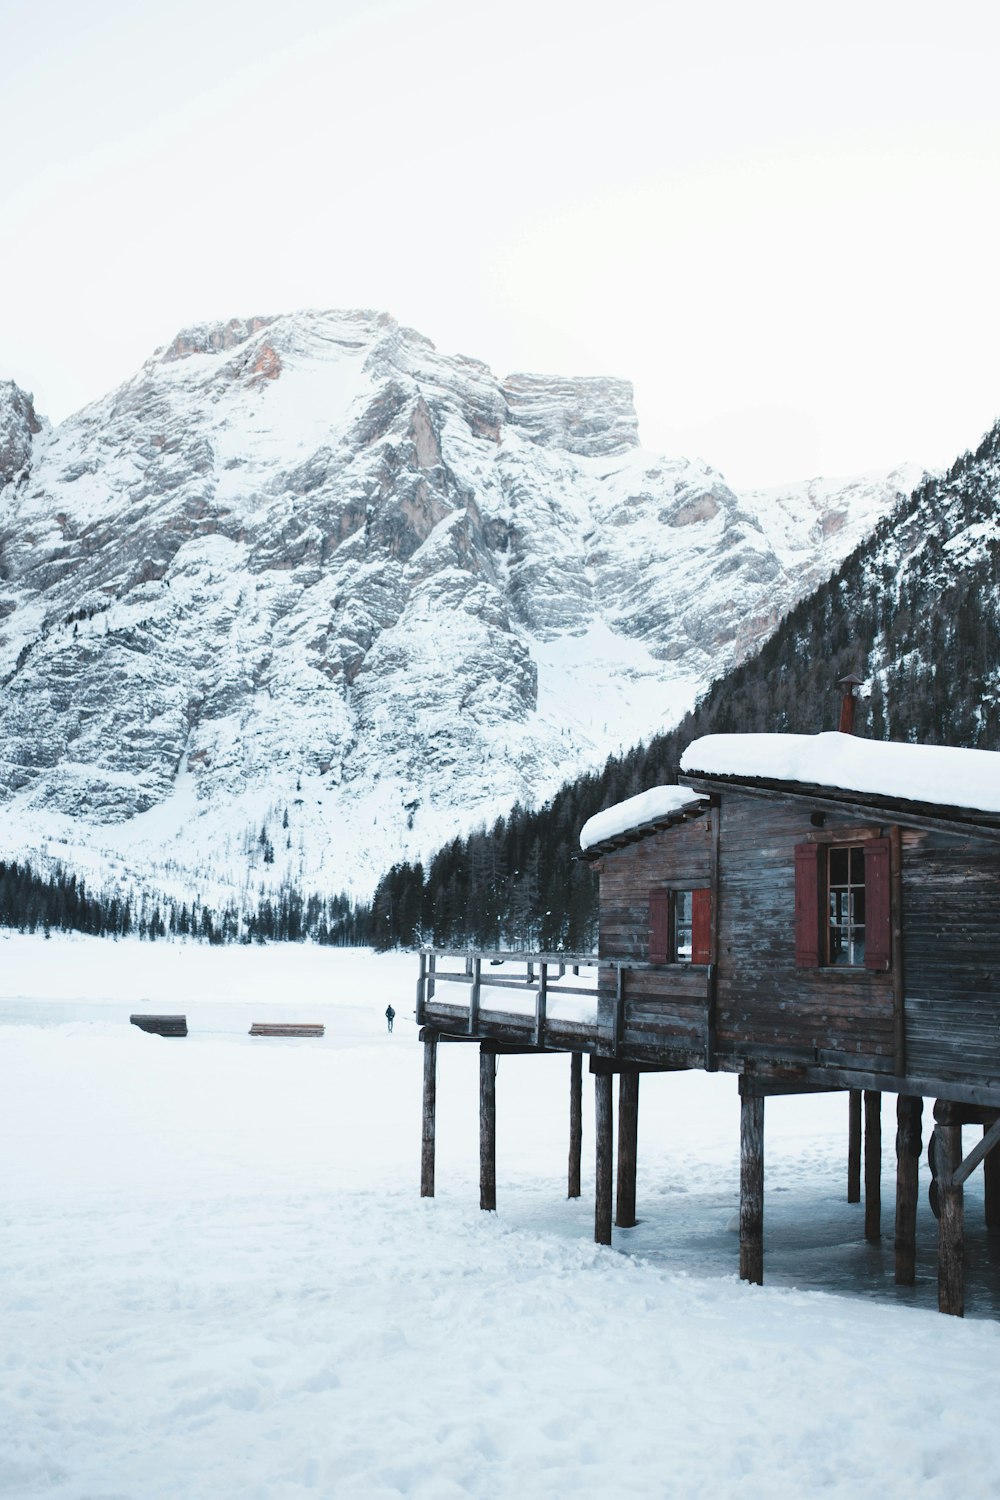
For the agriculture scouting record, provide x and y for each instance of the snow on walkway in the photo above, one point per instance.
(217, 1279)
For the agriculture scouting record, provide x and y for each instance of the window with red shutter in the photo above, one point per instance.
(680, 926)
(842, 905)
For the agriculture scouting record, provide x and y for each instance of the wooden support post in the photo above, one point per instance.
(751, 1188)
(991, 1172)
(909, 1108)
(604, 1126)
(951, 1224)
(575, 1123)
(873, 1165)
(628, 1133)
(487, 1130)
(854, 1146)
(430, 1111)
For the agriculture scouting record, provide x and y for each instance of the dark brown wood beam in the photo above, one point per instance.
(873, 1165)
(575, 1124)
(427, 1138)
(909, 1109)
(854, 1146)
(951, 1223)
(991, 1191)
(751, 1187)
(487, 1129)
(628, 1134)
(604, 1129)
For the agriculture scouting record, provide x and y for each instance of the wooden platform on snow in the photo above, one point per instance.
(286, 1028)
(161, 1025)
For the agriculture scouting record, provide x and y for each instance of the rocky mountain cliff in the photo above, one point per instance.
(305, 595)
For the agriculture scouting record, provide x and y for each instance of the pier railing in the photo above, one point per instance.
(563, 1000)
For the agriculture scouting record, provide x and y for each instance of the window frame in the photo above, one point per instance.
(663, 924)
(812, 901)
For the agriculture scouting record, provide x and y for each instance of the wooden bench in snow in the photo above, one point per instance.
(286, 1028)
(161, 1025)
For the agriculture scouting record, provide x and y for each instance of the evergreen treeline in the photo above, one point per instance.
(62, 903)
(913, 609)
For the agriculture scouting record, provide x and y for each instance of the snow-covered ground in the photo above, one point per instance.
(217, 1279)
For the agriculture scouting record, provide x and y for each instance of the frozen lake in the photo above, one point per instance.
(217, 1278)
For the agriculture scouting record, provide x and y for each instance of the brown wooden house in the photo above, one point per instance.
(810, 913)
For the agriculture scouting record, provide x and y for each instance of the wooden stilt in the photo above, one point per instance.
(751, 1188)
(430, 1111)
(873, 1165)
(628, 1132)
(991, 1172)
(854, 1146)
(604, 1126)
(909, 1109)
(487, 1130)
(575, 1123)
(951, 1224)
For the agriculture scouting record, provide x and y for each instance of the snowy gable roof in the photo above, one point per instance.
(657, 806)
(934, 774)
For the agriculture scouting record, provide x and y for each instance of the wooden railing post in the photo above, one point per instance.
(541, 1001)
(429, 1114)
(421, 985)
(476, 971)
(619, 1016)
(575, 1123)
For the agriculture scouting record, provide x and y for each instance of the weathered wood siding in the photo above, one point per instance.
(951, 937)
(676, 859)
(666, 1010)
(770, 1009)
(767, 1007)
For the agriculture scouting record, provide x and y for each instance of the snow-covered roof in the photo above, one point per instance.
(936, 774)
(654, 806)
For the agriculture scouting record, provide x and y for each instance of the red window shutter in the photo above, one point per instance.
(878, 906)
(659, 926)
(701, 926)
(807, 906)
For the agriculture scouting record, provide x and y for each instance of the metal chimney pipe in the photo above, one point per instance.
(849, 687)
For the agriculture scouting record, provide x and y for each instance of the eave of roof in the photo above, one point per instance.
(876, 806)
(642, 831)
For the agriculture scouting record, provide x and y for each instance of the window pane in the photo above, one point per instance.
(683, 907)
(846, 906)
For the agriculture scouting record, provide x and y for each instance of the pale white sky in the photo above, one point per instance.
(780, 220)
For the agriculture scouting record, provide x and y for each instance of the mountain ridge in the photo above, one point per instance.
(305, 576)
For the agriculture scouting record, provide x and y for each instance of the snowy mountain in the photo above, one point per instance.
(305, 595)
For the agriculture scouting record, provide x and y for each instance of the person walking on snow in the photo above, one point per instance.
(390, 1016)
